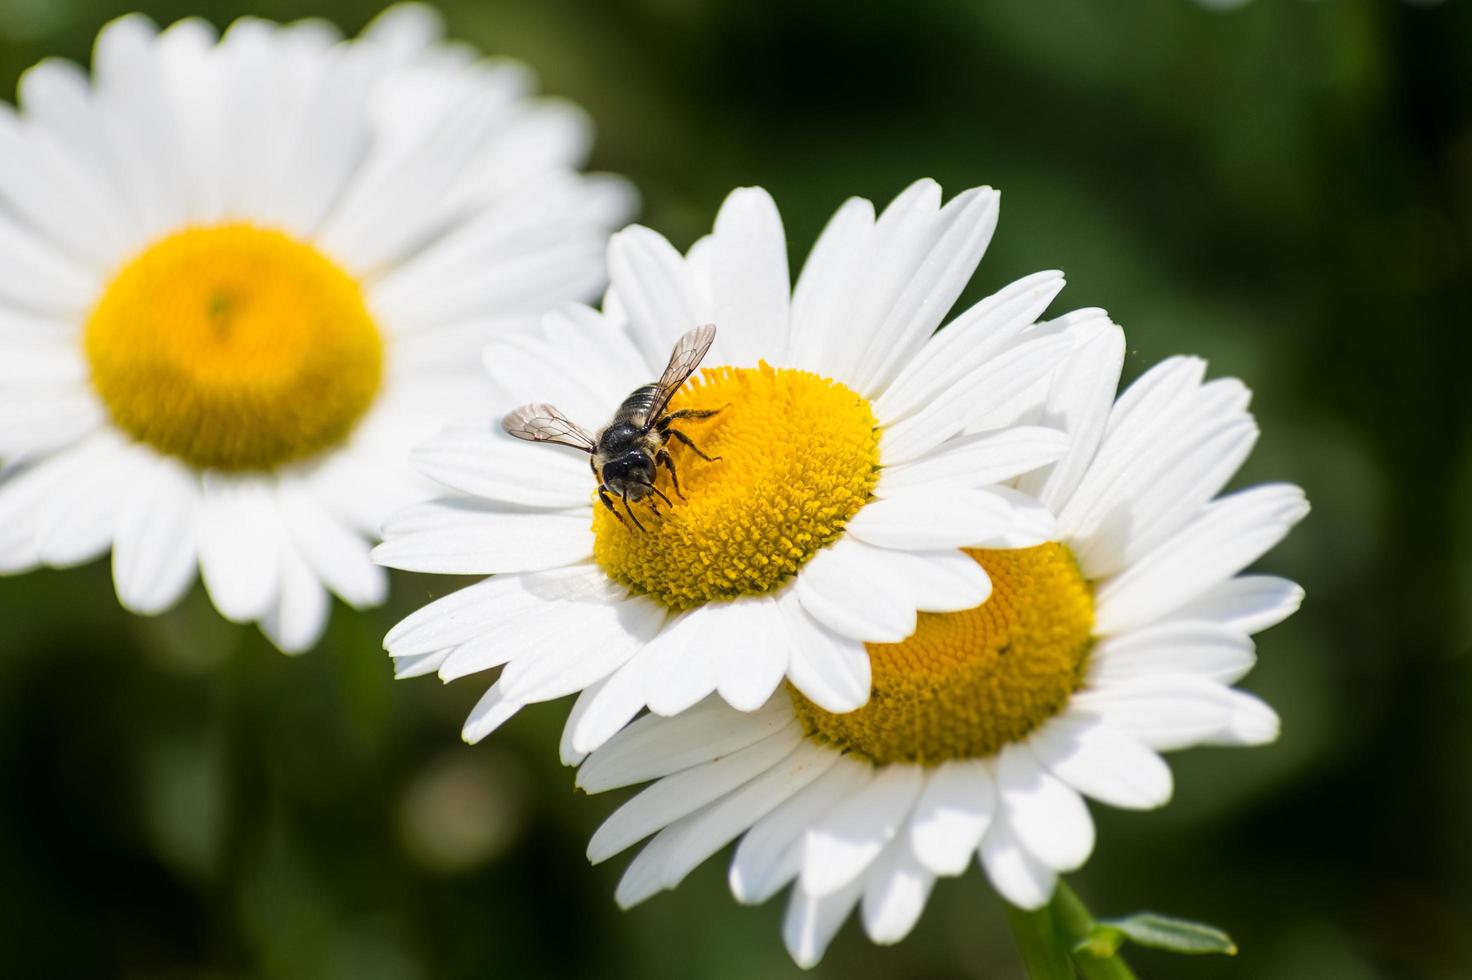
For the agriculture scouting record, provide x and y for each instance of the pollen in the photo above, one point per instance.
(234, 347)
(798, 456)
(968, 683)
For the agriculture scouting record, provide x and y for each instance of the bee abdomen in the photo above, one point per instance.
(639, 402)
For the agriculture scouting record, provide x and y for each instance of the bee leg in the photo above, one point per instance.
(693, 448)
(690, 413)
(603, 496)
(661, 495)
(630, 511)
(663, 459)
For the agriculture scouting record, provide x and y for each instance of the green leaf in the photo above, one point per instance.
(1162, 932)
(1102, 941)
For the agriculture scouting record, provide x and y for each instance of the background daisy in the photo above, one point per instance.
(240, 277)
(988, 727)
(852, 453)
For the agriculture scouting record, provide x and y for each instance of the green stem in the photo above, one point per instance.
(1075, 924)
(1043, 947)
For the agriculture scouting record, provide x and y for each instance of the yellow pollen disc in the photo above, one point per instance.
(234, 347)
(968, 683)
(799, 456)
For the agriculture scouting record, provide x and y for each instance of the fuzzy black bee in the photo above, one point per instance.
(626, 451)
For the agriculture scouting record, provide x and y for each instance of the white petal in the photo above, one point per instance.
(900, 242)
(1163, 712)
(1156, 388)
(43, 361)
(404, 30)
(1161, 479)
(938, 581)
(1250, 603)
(27, 492)
(1047, 816)
(654, 746)
(591, 640)
(975, 402)
(50, 191)
(811, 923)
(130, 83)
(464, 614)
(750, 283)
(952, 248)
(1103, 763)
(466, 537)
(831, 670)
(491, 712)
(880, 581)
(824, 285)
(356, 486)
(951, 815)
(644, 877)
(155, 548)
(618, 699)
(35, 421)
(973, 338)
(770, 854)
(1079, 400)
(419, 664)
(1017, 876)
(838, 587)
(565, 751)
(653, 290)
(1154, 421)
(336, 555)
(675, 796)
(749, 673)
(488, 463)
(850, 837)
(1221, 653)
(533, 620)
(527, 368)
(895, 892)
(977, 460)
(76, 523)
(1249, 722)
(1230, 534)
(296, 621)
(697, 650)
(682, 660)
(238, 546)
(941, 516)
(38, 277)
(699, 835)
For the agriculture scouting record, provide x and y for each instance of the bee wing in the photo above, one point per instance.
(543, 423)
(689, 351)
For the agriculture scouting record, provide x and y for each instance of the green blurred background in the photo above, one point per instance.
(1285, 189)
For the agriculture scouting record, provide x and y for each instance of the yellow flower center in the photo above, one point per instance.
(968, 683)
(799, 455)
(234, 347)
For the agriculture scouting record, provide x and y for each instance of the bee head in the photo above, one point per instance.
(629, 474)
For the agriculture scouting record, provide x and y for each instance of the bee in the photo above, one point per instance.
(626, 451)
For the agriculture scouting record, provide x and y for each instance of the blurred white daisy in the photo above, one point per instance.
(988, 727)
(857, 454)
(240, 278)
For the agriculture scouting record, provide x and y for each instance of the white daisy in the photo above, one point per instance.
(239, 279)
(988, 727)
(857, 454)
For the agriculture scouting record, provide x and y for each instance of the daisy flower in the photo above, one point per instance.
(848, 453)
(239, 279)
(988, 727)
